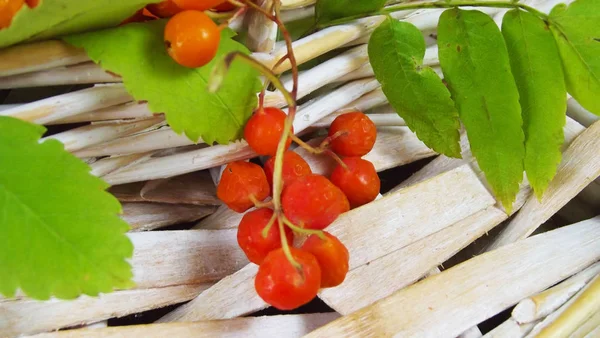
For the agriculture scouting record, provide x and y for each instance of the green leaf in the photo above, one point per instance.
(577, 32)
(137, 53)
(61, 234)
(475, 64)
(53, 18)
(329, 10)
(538, 73)
(396, 51)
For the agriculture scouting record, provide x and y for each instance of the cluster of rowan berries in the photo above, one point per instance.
(289, 277)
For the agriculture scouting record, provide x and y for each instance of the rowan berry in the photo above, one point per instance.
(192, 38)
(142, 15)
(241, 182)
(198, 5)
(294, 166)
(333, 258)
(164, 9)
(32, 3)
(282, 285)
(313, 202)
(264, 129)
(250, 235)
(8, 9)
(359, 181)
(225, 7)
(354, 134)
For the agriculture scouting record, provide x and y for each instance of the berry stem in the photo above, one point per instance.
(307, 146)
(300, 230)
(267, 228)
(221, 69)
(258, 204)
(286, 247)
(323, 148)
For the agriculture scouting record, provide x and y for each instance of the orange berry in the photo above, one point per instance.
(192, 38)
(32, 3)
(250, 235)
(294, 166)
(333, 258)
(359, 181)
(313, 202)
(280, 284)
(198, 5)
(358, 134)
(8, 9)
(264, 129)
(225, 7)
(241, 180)
(164, 9)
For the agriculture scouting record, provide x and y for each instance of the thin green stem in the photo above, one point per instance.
(306, 146)
(220, 70)
(286, 248)
(267, 228)
(300, 230)
(292, 106)
(440, 4)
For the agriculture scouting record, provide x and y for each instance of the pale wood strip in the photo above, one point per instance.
(289, 326)
(193, 188)
(38, 56)
(233, 296)
(449, 303)
(321, 75)
(159, 139)
(125, 111)
(167, 258)
(472, 332)
(66, 105)
(451, 197)
(589, 329)
(27, 316)
(572, 314)
(442, 163)
(83, 73)
(93, 134)
(540, 305)
(107, 165)
(149, 216)
(579, 167)
(407, 265)
(510, 329)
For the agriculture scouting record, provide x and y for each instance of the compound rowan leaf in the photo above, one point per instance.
(53, 18)
(475, 64)
(60, 231)
(329, 10)
(137, 53)
(396, 51)
(577, 32)
(537, 69)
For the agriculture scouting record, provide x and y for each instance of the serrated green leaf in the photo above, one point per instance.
(475, 64)
(538, 73)
(53, 18)
(61, 234)
(396, 51)
(577, 32)
(137, 53)
(328, 10)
